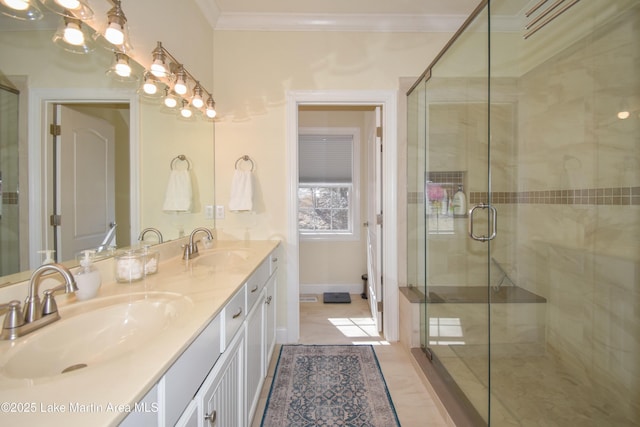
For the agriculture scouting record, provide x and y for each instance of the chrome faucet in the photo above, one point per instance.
(36, 315)
(191, 248)
(153, 230)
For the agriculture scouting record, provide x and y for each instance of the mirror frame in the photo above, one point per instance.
(39, 101)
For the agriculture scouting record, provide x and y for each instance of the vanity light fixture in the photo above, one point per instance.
(26, 10)
(169, 71)
(78, 9)
(116, 31)
(73, 37)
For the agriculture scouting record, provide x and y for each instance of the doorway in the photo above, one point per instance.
(41, 108)
(345, 100)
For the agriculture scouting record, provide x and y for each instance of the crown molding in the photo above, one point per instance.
(337, 22)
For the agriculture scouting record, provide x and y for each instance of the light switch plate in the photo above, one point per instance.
(208, 212)
(219, 211)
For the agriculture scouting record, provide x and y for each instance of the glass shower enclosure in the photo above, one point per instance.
(531, 308)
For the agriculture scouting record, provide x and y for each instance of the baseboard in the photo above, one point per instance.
(282, 336)
(319, 289)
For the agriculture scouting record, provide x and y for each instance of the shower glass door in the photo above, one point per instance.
(454, 178)
(9, 212)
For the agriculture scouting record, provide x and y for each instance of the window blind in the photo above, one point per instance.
(325, 158)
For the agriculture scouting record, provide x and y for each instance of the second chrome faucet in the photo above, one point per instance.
(191, 248)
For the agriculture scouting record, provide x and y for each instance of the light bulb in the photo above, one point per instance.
(158, 68)
(622, 115)
(69, 4)
(170, 101)
(122, 68)
(73, 35)
(17, 4)
(180, 87)
(211, 108)
(149, 87)
(197, 100)
(114, 34)
(185, 111)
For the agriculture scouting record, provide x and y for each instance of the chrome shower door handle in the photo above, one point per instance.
(494, 222)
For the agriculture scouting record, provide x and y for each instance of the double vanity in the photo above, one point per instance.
(188, 346)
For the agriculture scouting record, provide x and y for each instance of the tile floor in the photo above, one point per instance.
(413, 398)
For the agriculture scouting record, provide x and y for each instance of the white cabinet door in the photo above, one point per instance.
(255, 355)
(222, 393)
(189, 417)
(269, 321)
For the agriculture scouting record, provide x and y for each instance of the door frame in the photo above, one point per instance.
(388, 99)
(38, 142)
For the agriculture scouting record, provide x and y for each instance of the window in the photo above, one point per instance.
(327, 189)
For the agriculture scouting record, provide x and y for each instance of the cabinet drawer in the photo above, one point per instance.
(234, 313)
(256, 283)
(186, 375)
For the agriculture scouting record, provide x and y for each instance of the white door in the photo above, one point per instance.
(85, 186)
(374, 221)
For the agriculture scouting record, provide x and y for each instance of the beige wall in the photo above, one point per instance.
(253, 72)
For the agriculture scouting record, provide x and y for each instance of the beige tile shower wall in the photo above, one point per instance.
(458, 136)
(585, 258)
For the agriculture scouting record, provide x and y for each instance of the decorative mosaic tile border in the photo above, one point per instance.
(10, 198)
(614, 196)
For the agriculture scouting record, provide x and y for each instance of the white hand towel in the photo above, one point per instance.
(178, 195)
(241, 191)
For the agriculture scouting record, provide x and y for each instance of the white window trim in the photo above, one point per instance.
(354, 234)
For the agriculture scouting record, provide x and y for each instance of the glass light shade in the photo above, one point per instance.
(158, 68)
(149, 87)
(170, 101)
(196, 100)
(211, 108)
(185, 111)
(72, 34)
(114, 33)
(70, 8)
(26, 10)
(73, 37)
(180, 85)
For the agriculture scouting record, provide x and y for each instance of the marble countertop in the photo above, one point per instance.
(102, 393)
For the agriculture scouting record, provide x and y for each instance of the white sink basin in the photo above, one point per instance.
(222, 257)
(92, 333)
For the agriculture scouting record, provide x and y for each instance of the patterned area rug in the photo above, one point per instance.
(329, 385)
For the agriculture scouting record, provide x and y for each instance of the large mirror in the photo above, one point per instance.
(41, 84)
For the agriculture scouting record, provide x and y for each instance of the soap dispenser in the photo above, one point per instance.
(459, 203)
(88, 277)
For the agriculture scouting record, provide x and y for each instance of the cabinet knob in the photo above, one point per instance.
(268, 300)
(211, 418)
(235, 316)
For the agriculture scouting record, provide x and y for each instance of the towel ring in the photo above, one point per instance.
(246, 159)
(183, 158)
